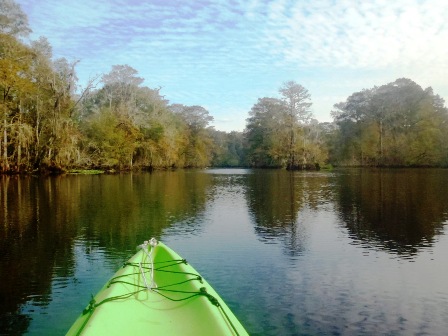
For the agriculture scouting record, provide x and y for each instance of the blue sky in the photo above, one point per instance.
(225, 54)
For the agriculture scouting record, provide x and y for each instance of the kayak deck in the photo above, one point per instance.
(157, 292)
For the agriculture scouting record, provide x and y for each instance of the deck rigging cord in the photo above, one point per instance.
(142, 268)
(153, 243)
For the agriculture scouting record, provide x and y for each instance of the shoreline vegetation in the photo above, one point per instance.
(49, 124)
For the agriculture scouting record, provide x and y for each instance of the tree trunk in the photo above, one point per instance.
(19, 140)
(292, 141)
(381, 142)
(19, 154)
(5, 164)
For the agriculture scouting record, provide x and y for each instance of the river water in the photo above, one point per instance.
(346, 252)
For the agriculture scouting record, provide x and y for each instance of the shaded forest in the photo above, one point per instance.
(49, 123)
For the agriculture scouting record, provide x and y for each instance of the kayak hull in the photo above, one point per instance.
(157, 292)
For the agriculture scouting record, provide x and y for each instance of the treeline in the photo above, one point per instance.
(49, 123)
(397, 124)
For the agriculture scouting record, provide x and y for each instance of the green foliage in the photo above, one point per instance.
(86, 171)
(197, 151)
(397, 124)
(281, 132)
(112, 140)
(228, 149)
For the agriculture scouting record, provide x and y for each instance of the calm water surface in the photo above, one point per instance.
(348, 252)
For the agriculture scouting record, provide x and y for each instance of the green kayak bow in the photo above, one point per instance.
(157, 293)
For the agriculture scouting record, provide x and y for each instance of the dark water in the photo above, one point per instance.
(348, 252)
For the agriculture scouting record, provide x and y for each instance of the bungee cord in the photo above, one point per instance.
(147, 269)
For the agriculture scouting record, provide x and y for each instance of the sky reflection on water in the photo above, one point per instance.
(346, 252)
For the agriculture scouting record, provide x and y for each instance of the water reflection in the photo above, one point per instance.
(33, 244)
(277, 200)
(285, 232)
(42, 218)
(400, 211)
(397, 210)
(122, 211)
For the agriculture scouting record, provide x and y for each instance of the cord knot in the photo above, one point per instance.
(90, 307)
(211, 298)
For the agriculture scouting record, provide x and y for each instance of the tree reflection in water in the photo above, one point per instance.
(44, 219)
(276, 200)
(397, 210)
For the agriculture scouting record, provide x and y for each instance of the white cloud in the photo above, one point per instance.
(225, 54)
(360, 34)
